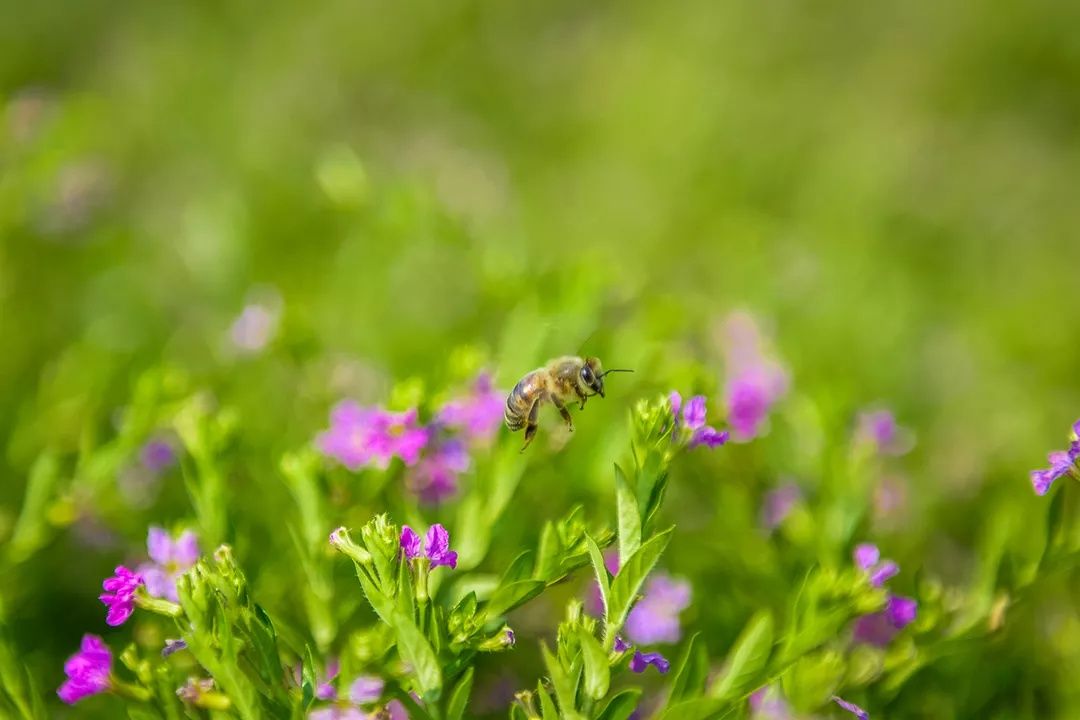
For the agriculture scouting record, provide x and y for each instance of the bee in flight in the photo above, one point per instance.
(560, 382)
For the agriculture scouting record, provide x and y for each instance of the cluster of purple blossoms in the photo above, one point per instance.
(88, 671)
(755, 382)
(119, 595)
(435, 545)
(436, 454)
(360, 436)
(169, 558)
(879, 628)
(692, 418)
(364, 690)
(1062, 463)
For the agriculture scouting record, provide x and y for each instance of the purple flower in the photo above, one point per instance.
(641, 661)
(360, 436)
(754, 381)
(437, 543)
(868, 558)
(655, 618)
(778, 505)
(435, 476)
(693, 419)
(120, 595)
(851, 708)
(766, 703)
(173, 646)
(750, 396)
(366, 689)
(87, 670)
(324, 689)
(901, 611)
(477, 415)
(878, 429)
(157, 455)
(880, 628)
(438, 547)
(621, 645)
(411, 543)
(336, 712)
(1061, 464)
(511, 638)
(169, 559)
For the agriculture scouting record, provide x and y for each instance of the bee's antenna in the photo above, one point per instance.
(614, 370)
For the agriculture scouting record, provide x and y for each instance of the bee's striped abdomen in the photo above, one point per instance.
(521, 399)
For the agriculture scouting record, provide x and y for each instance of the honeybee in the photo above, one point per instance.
(562, 381)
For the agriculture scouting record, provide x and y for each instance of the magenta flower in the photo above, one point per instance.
(692, 418)
(366, 689)
(881, 627)
(641, 661)
(120, 595)
(851, 708)
(169, 559)
(655, 618)
(411, 543)
(778, 505)
(867, 557)
(360, 436)
(437, 542)
(87, 670)
(324, 689)
(755, 382)
(1062, 463)
(435, 476)
(477, 415)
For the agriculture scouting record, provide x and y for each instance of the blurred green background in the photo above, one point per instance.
(890, 187)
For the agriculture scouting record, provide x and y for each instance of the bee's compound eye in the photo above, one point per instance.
(587, 375)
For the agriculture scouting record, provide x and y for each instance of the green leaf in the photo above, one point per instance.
(417, 652)
(519, 569)
(307, 677)
(747, 660)
(565, 686)
(700, 709)
(601, 571)
(629, 516)
(550, 553)
(511, 596)
(621, 706)
(691, 672)
(459, 698)
(631, 575)
(547, 706)
(597, 671)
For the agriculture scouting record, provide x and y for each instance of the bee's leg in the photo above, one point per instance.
(564, 412)
(530, 427)
(581, 396)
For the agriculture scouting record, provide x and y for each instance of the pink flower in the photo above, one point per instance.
(692, 418)
(87, 671)
(477, 415)
(120, 595)
(360, 436)
(655, 618)
(755, 381)
(169, 559)
(435, 476)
